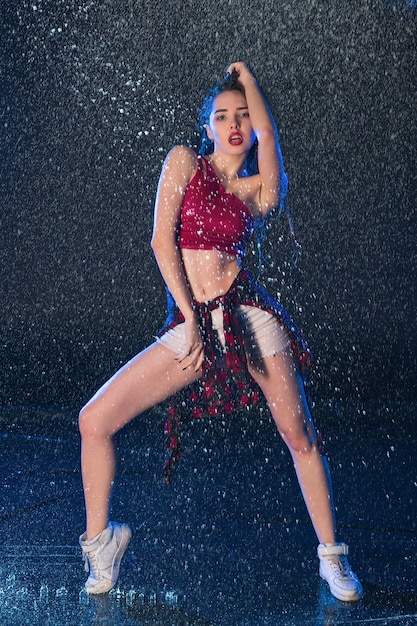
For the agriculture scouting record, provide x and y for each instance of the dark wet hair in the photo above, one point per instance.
(230, 82)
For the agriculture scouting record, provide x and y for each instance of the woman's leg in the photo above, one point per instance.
(279, 381)
(146, 380)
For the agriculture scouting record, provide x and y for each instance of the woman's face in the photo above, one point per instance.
(229, 124)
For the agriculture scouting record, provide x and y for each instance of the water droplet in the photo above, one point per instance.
(43, 593)
(61, 592)
(83, 597)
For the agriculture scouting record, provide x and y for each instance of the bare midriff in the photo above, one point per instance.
(210, 273)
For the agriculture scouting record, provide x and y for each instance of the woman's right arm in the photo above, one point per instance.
(177, 171)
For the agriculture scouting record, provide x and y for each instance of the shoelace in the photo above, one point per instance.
(90, 563)
(341, 564)
(85, 562)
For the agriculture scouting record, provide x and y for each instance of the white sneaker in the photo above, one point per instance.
(102, 556)
(335, 569)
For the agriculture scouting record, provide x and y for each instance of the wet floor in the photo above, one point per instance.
(228, 543)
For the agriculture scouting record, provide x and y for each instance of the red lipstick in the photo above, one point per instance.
(235, 138)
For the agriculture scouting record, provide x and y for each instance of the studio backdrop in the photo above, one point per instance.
(93, 95)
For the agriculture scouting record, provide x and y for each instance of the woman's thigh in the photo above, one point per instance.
(146, 380)
(283, 389)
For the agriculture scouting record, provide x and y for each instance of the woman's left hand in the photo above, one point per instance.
(241, 69)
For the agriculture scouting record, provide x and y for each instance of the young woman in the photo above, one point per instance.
(225, 338)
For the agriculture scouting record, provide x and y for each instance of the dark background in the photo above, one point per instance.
(94, 93)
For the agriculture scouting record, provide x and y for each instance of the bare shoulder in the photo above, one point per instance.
(182, 160)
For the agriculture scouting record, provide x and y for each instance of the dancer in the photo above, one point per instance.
(225, 340)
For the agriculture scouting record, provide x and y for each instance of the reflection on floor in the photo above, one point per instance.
(229, 542)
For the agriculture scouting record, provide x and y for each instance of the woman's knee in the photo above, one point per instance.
(301, 439)
(91, 423)
(301, 444)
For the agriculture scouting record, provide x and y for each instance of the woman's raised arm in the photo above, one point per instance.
(266, 133)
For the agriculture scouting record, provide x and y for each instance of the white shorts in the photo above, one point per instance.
(262, 334)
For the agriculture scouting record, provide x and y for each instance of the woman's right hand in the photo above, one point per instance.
(193, 354)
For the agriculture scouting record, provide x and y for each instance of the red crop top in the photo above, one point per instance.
(210, 217)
